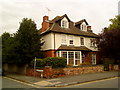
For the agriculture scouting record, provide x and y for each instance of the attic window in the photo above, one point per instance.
(83, 27)
(64, 24)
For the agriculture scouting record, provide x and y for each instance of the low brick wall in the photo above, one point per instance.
(78, 70)
(49, 72)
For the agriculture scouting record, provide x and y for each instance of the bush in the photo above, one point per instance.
(55, 62)
(40, 63)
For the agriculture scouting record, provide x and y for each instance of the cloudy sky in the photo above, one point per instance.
(96, 12)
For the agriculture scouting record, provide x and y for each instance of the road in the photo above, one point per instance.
(11, 83)
(106, 83)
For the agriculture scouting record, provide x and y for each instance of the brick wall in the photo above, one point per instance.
(78, 70)
(49, 53)
(49, 72)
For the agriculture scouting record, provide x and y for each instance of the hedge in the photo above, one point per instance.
(55, 62)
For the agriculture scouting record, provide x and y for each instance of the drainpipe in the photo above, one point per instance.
(54, 44)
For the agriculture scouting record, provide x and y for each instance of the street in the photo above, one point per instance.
(106, 83)
(11, 83)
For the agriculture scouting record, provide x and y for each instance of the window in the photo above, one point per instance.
(77, 58)
(82, 41)
(63, 39)
(93, 58)
(71, 58)
(83, 27)
(92, 42)
(64, 24)
(58, 54)
(64, 54)
(70, 40)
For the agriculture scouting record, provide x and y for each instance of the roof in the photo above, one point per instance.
(72, 30)
(81, 21)
(57, 18)
(75, 48)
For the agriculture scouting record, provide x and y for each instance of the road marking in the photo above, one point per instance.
(21, 82)
(43, 83)
(93, 81)
(53, 79)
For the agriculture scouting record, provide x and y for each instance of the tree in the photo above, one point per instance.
(115, 23)
(24, 46)
(109, 44)
(28, 43)
(8, 48)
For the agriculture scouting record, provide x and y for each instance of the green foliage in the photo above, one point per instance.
(109, 45)
(24, 46)
(55, 62)
(40, 63)
(28, 40)
(115, 23)
(8, 48)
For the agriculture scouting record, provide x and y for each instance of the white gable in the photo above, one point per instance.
(64, 23)
(83, 26)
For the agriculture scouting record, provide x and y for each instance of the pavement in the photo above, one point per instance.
(63, 81)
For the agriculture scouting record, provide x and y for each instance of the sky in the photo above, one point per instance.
(96, 12)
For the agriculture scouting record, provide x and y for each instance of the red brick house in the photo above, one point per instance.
(72, 40)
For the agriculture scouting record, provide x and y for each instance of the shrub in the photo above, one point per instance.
(55, 62)
(40, 63)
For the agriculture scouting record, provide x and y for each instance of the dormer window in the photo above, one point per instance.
(64, 23)
(83, 27)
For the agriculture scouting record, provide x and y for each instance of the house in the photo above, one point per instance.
(72, 40)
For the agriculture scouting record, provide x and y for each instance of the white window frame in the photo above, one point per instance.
(63, 39)
(83, 41)
(83, 27)
(60, 55)
(64, 24)
(71, 38)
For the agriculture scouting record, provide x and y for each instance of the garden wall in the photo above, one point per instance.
(58, 72)
(77, 70)
(49, 72)
(15, 68)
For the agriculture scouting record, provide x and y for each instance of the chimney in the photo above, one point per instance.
(45, 23)
(89, 29)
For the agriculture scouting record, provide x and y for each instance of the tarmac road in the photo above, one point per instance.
(11, 83)
(105, 83)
